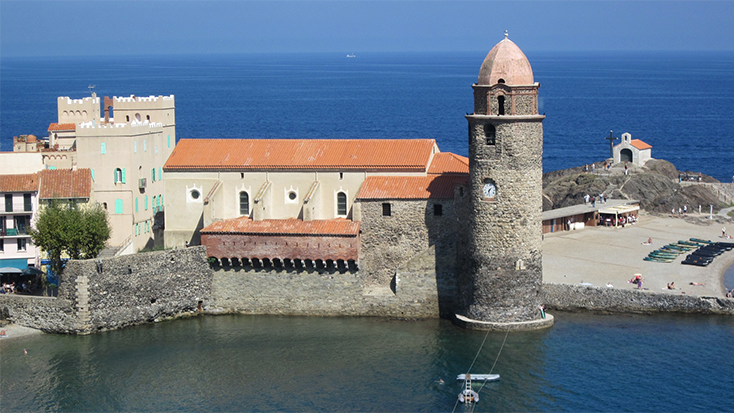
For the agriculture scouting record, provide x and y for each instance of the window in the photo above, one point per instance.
(386, 209)
(501, 105)
(152, 204)
(195, 194)
(136, 204)
(92, 170)
(169, 141)
(118, 206)
(127, 118)
(341, 204)
(244, 203)
(22, 223)
(27, 202)
(490, 133)
(135, 147)
(103, 148)
(21, 244)
(145, 146)
(152, 173)
(160, 173)
(341, 175)
(147, 117)
(145, 203)
(2, 245)
(158, 203)
(437, 210)
(8, 202)
(120, 175)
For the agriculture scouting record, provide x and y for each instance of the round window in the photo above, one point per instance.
(195, 194)
(291, 196)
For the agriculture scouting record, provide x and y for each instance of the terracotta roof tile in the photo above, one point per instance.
(65, 183)
(62, 126)
(245, 225)
(448, 163)
(19, 183)
(301, 154)
(404, 187)
(639, 144)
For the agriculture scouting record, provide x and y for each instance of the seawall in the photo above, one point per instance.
(568, 297)
(112, 293)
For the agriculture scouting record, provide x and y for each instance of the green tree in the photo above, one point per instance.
(68, 230)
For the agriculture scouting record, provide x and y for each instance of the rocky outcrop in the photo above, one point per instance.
(655, 185)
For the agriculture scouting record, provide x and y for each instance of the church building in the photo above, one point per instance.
(633, 151)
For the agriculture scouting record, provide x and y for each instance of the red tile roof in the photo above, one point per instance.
(245, 225)
(449, 163)
(409, 155)
(62, 126)
(411, 187)
(65, 183)
(639, 144)
(19, 183)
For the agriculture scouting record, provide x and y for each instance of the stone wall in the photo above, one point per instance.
(329, 293)
(389, 242)
(567, 297)
(111, 293)
(302, 247)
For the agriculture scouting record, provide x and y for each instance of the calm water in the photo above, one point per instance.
(262, 363)
(679, 103)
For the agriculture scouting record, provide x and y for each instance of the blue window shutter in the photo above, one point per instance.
(118, 206)
(169, 141)
(136, 204)
(124, 172)
(152, 174)
(160, 173)
(114, 173)
(92, 174)
(103, 148)
(152, 204)
(135, 147)
(145, 146)
(145, 204)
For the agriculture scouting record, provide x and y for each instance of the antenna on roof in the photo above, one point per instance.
(91, 87)
(506, 34)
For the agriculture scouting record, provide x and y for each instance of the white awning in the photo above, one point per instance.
(620, 209)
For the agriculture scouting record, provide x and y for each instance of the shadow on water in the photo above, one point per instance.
(270, 363)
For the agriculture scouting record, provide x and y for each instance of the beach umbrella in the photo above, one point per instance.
(10, 270)
(32, 271)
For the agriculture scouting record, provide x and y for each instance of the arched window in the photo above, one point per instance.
(341, 204)
(118, 176)
(490, 133)
(500, 105)
(244, 203)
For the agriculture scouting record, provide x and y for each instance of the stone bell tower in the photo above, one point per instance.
(500, 261)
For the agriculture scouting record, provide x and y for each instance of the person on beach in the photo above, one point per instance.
(671, 285)
(723, 232)
(699, 284)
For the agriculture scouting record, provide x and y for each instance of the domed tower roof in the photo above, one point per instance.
(506, 63)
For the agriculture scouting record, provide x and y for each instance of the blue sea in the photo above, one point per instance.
(679, 103)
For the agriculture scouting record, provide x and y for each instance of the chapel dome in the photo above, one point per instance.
(505, 63)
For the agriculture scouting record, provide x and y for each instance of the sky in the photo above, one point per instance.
(114, 27)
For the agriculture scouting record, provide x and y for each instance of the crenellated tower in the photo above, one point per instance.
(500, 263)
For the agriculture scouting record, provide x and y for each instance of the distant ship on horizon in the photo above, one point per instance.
(351, 55)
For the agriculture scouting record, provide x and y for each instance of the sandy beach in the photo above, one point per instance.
(600, 255)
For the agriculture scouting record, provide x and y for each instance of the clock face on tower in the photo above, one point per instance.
(489, 189)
